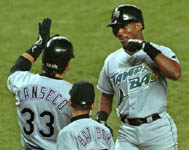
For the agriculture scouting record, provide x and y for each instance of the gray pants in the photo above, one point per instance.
(160, 134)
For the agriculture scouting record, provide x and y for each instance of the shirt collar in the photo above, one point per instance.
(80, 117)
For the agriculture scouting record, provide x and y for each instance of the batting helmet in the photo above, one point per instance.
(123, 14)
(57, 54)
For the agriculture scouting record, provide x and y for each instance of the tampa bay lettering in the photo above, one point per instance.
(136, 81)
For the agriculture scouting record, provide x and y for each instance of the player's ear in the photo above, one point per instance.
(139, 26)
(92, 106)
(70, 102)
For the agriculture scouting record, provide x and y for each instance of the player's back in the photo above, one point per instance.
(85, 134)
(42, 107)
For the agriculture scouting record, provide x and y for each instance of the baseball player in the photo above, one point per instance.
(42, 99)
(137, 74)
(84, 133)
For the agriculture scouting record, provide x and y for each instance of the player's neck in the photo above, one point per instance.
(76, 112)
(140, 36)
(57, 75)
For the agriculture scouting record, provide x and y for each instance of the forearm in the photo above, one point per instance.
(171, 69)
(105, 103)
(22, 64)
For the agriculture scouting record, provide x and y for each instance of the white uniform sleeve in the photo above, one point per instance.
(104, 83)
(15, 80)
(65, 141)
(167, 52)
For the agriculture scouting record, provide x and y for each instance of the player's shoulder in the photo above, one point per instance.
(115, 53)
(166, 51)
(67, 84)
(69, 129)
(73, 127)
(20, 76)
(116, 56)
(21, 73)
(162, 48)
(99, 125)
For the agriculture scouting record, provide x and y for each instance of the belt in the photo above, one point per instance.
(139, 121)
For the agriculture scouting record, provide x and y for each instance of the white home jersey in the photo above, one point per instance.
(42, 107)
(85, 134)
(139, 86)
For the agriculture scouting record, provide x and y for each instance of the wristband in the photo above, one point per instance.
(22, 64)
(35, 51)
(151, 51)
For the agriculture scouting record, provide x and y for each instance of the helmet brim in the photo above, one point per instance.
(112, 24)
(122, 22)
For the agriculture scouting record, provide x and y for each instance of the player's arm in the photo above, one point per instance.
(24, 62)
(104, 109)
(170, 68)
(105, 105)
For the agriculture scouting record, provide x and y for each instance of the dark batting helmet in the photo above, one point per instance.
(57, 54)
(124, 14)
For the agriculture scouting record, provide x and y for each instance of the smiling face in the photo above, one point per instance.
(130, 30)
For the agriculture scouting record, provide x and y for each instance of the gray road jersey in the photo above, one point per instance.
(42, 107)
(85, 134)
(139, 86)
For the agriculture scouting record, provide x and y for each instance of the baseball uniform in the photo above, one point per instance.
(141, 91)
(42, 107)
(42, 99)
(85, 133)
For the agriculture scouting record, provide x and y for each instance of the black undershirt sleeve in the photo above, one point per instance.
(22, 64)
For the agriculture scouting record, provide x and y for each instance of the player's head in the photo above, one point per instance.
(82, 95)
(56, 55)
(123, 15)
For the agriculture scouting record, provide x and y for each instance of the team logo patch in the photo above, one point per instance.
(116, 14)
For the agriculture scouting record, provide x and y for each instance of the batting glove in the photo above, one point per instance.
(44, 32)
(134, 45)
(43, 37)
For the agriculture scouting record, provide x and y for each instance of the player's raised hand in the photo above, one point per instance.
(43, 37)
(134, 45)
(44, 32)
